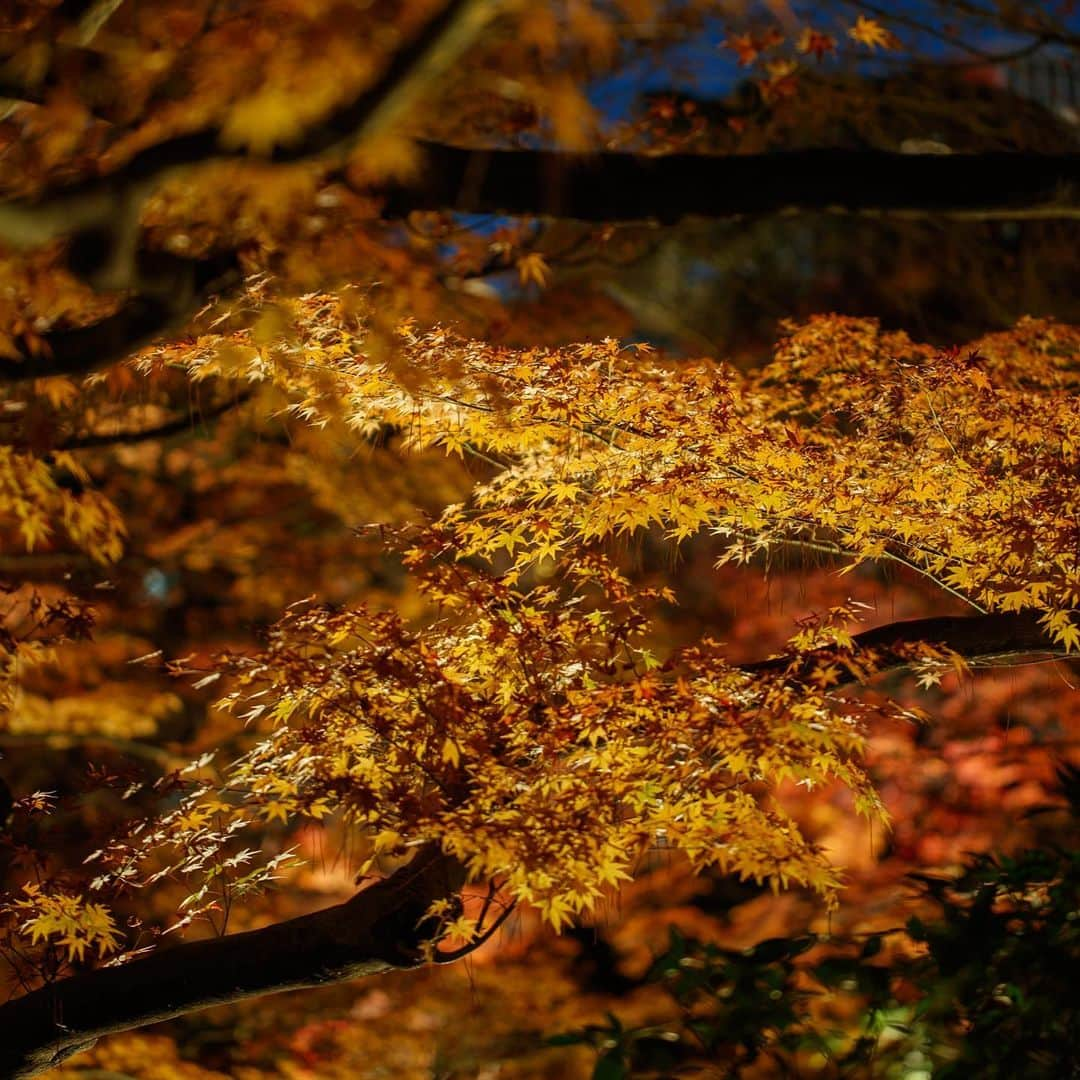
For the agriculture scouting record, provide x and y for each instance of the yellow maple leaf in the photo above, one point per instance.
(533, 267)
(871, 33)
(451, 752)
(275, 810)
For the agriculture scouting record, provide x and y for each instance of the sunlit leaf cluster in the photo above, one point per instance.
(961, 466)
(65, 921)
(534, 738)
(41, 497)
(529, 730)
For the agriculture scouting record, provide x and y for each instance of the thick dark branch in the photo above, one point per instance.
(376, 931)
(982, 640)
(631, 187)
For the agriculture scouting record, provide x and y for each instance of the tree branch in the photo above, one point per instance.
(627, 187)
(616, 187)
(157, 756)
(84, 348)
(375, 931)
(982, 640)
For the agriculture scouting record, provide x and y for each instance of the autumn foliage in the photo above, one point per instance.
(389, 580)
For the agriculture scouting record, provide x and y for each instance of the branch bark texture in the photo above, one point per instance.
(375, 931)
(613, 187)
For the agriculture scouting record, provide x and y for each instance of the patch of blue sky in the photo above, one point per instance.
(702, 65)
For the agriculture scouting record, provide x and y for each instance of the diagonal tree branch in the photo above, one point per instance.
(375, 931)
(103, 213)
(99, 201)
(169, 294)
(68, 352)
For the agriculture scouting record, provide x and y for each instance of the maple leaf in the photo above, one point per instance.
(816, 43)
(533, 267)
(744, 46)
(871, 33)
(748, 47)
(781, 81)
